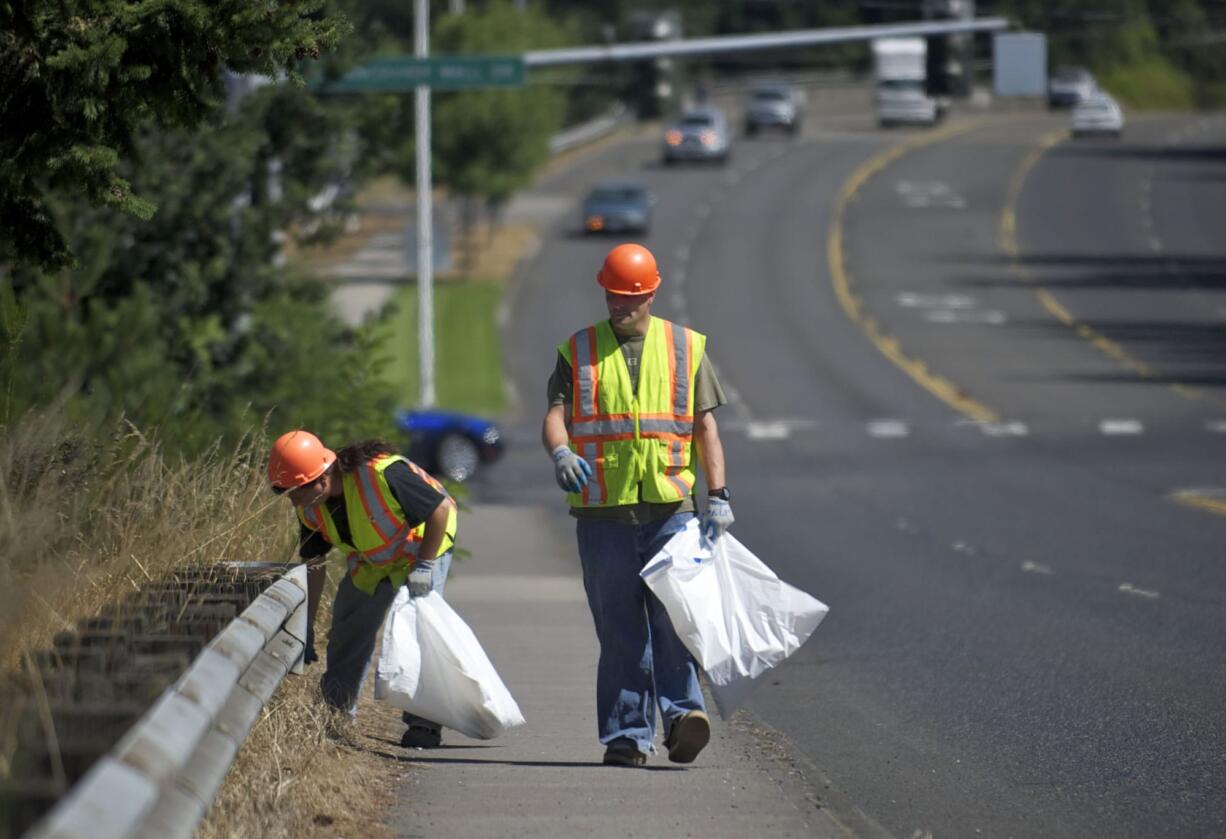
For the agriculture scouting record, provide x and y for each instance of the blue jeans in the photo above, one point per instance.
(642, 661)
(356, 619)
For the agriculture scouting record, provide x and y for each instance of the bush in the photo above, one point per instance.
(1152, 83)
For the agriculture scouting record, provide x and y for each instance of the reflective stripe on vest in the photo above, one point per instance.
(634, 437)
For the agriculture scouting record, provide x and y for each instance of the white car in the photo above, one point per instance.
(905, 102)
(1100, 114)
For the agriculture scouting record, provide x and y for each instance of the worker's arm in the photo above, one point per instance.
(436, 531)
(553, 429)
(718, 516)
(710, 449)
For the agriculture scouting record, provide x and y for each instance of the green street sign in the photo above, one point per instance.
(442, 72)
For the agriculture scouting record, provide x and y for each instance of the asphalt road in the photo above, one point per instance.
(998, 463)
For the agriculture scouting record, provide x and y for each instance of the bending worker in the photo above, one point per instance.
(394, 522)
(630, 410)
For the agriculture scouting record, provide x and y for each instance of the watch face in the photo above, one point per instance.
(721, 493)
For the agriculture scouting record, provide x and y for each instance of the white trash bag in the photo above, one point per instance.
(433, 666)
(733, 614)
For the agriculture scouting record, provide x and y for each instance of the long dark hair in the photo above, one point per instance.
(356, 455)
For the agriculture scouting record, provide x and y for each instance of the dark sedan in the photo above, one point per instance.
(618, 207)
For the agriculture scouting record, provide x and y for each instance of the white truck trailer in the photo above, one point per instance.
(900, 93)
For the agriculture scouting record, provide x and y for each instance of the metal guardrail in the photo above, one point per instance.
(160, 778)
(588, 131)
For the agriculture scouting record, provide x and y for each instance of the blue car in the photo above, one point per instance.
(618, 207)
(448, 444)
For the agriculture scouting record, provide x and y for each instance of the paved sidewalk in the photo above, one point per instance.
(521, 593)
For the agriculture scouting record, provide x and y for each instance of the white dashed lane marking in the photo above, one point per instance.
(912, 300)
(921, 195)
(1129, 588)
(1113, 427)
(1036, 568)
(767, 431)
(888, 429)
(896, 429)
(1004, 429)
(988, 316)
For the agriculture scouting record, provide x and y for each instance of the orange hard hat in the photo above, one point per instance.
(629, 269)
(298, 457)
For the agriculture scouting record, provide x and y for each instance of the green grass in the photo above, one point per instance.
(1151, 83)
(467, 365)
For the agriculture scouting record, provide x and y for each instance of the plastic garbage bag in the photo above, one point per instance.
(733, 614)
(433, 666)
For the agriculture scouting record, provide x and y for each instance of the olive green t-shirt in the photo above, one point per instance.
(708, 395)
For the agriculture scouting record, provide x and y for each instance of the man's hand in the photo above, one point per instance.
(570, 470)
(421, 578)
(717, 519)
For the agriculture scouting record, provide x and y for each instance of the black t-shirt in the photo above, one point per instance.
(417, 498)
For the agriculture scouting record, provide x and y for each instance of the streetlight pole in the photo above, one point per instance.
(425, 212)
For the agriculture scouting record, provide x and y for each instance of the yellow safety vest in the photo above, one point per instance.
(634, 439)
(383, 543)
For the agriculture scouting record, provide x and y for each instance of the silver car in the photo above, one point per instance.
(1100, 114)
(1070, 86)
(700, 134)
(773, 105)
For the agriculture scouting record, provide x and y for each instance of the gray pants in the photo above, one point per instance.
(356, 619)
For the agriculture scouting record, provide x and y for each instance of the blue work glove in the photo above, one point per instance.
(717, 519)
(570, 470)
(421, 578)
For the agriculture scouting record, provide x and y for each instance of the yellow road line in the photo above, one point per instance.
(841, 279)
(1201, 501)
(1007, 238)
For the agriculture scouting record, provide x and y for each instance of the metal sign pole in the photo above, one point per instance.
(425, 212)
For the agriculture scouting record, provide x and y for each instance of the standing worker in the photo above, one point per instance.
(630, 404)
(394, 522)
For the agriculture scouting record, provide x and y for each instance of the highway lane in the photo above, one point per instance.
(1074, 524)
(1135, 251)
(1025, 635)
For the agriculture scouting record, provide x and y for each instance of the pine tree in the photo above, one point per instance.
(79, 80)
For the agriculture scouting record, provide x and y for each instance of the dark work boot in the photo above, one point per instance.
(623, 753)
(422, 735)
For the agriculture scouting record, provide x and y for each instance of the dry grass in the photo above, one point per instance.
(306, 771)
(86, 518)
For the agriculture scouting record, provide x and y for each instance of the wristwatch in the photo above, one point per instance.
(722, 493)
